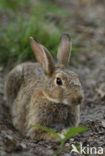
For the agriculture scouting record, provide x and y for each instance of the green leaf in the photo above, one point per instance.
(72, 132)
(48, 130)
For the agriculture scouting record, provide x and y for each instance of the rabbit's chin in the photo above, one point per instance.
(58, 101)
(65, 102)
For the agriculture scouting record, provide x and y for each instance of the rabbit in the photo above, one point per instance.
(46, 93)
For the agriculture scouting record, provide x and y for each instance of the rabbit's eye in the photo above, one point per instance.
(59, 81)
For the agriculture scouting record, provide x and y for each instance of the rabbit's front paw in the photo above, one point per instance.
(38, 134)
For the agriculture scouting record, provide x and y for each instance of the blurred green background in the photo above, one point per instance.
(21, 19)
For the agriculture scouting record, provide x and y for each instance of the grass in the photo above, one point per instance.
(21, 24)
(13, 4)
(24, 19)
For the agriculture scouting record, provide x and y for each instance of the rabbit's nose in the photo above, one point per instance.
(77, 99)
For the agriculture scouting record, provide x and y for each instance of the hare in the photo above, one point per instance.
(45, 93)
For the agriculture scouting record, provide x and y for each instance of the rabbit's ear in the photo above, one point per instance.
(64, 50)
(43, 56)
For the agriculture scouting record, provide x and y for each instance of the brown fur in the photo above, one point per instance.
(34, 98)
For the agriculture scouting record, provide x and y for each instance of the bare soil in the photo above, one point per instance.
(88, 22)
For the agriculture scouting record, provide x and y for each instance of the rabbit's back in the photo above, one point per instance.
(21, 82)
(23, 78)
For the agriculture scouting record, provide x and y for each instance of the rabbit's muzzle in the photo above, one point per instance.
(77, 99)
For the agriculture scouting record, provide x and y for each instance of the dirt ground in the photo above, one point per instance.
(88, 22)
